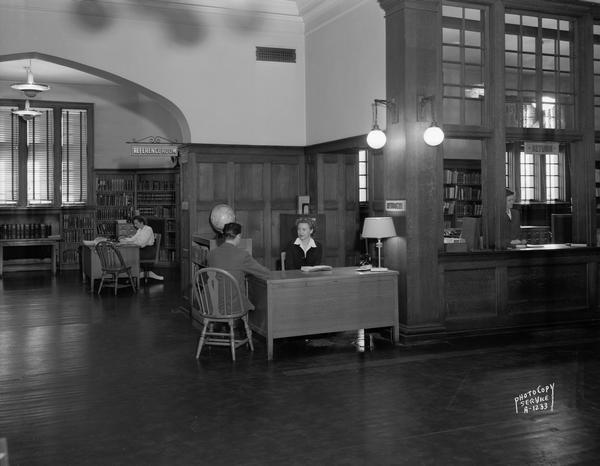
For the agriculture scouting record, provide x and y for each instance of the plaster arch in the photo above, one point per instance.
(177, 114)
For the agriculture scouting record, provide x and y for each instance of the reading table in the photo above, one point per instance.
(53, 243)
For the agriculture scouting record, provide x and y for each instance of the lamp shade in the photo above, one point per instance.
(378, 227)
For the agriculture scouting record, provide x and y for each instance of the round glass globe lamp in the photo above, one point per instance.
(376, 138)
(433, 136)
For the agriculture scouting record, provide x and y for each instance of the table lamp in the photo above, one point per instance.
(378, 227)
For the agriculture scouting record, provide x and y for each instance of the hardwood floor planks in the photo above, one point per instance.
(104, 380)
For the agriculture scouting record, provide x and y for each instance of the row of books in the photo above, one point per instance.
(107, 229)
(158, 211)
(597, 177)
(114, 184)
(72, 221)
(462, 209)
(156, 198)
(156, 185)
(109, 213)
(114, 199)
(77, 236)
(462, 177)
(464, 193)
(25, 230)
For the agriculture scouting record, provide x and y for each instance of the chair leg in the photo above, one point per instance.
(131, 281)
(101, 283)
(248, 332)
(201, 341)
(232, 339)
(116, 278)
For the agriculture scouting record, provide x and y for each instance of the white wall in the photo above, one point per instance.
(120, 115)
(201, 61)
(345, 72)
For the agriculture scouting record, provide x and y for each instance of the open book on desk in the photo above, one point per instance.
(316, 268)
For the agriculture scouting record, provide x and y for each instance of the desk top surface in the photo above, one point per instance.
(119, 245)
(336, 272)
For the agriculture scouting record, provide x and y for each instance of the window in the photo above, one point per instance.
(363, 177)
(55, 154)
(9, 156)
(74, 157)
(40, 158)
(539, 57)
(463, 57)
(539, 175)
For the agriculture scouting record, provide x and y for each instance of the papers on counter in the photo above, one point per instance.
(316, 268)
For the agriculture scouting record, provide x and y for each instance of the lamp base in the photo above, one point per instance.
(379, 269)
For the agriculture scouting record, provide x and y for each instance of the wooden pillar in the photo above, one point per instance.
(413, 170)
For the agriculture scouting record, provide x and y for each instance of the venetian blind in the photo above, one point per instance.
(9, 156)
(40, 158)
(74, 157)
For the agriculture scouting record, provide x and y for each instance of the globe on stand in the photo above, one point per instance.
(221, 215)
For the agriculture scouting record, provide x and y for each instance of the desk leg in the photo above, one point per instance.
(1, 259)
(269, 348)
(54, 253)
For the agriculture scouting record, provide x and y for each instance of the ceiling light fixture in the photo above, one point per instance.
(27, 113)
(30, 88)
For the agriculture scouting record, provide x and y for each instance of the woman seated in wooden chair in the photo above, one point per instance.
(144, 238)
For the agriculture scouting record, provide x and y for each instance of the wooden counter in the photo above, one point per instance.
(294, 303)
(534, 286)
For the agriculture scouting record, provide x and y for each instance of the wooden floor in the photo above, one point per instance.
(89, 380)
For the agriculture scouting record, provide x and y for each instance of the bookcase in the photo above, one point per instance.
(77, 225)
(462, 191)
(121, 194)
(597, 186)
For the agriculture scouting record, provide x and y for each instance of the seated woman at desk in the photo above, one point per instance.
(144, 238)
(511, 223)
(304, 250)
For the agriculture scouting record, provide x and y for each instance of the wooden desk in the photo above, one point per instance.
(90, 262)
(53, 243)
(294, 303)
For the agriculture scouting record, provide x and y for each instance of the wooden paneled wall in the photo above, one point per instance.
(333, 186)
(258, 182)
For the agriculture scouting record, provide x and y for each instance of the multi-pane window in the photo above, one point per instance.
(539, 71)
(55, 154)
(363, 176)
(597, 75)
(463, 56)
(538, 176)
(9, 156)
(527, 177)
(74, 157)
(40, 158)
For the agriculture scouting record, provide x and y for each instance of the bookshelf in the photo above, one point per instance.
(462, 191)
(77, 225)
(597, 185)
(121, 194)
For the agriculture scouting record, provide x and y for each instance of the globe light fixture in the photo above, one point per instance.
(434, 135)
(376, 138)
(27, 113)
(30, 88)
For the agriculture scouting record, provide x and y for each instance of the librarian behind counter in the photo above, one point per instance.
(511, 223)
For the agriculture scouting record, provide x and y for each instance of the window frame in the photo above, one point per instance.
(57, 107)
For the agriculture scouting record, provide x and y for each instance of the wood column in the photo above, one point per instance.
(413, 170)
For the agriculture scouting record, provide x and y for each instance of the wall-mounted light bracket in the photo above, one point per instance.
(391, 106)
(425, 108)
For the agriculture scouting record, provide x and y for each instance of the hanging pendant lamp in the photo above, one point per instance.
(30, 88)
(27, 113)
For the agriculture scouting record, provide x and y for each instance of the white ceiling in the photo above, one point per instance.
(45, 72)
(303, 10)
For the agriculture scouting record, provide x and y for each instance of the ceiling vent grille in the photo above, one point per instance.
(276, 54)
